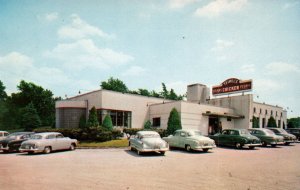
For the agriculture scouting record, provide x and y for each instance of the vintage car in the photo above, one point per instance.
(48, 142)
(148, 141)
(288, 138)
(294, 131)
(3, 134)
(267, 137)
(190, 140)
(13, 141)
(236, 137)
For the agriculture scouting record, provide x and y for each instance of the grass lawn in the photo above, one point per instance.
(108, 144)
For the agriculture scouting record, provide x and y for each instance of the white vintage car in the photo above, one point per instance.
(47, 142)
(148, 141)
(3, 134)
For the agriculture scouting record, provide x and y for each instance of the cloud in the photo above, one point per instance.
(79, 29)
(220, 45)
(51, 16)
(250, 68)
(290, 5)
(266, 85)
(85, 54)
(134, 71)
(280, 68)
(177, 4)
(218, 7)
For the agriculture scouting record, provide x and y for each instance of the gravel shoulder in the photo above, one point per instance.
(221, 168)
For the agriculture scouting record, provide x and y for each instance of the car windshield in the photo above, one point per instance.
(36, 137)
(244, 132)
(150, 136)
(269, 132)
(194, 133)
(13, 135)
(282, 131)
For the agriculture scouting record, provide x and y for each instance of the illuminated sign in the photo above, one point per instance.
(232, 85)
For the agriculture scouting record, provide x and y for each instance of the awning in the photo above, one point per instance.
(227, 115)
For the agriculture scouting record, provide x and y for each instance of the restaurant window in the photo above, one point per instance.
(118, 118)
(254, 109)
(260, 110)
(266, 112)
(271, 112)
(156, 122)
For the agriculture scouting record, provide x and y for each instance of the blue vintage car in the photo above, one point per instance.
(148, 141)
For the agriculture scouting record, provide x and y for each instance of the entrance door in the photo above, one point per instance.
(213, 125)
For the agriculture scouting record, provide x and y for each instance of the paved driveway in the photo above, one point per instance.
(222, 168)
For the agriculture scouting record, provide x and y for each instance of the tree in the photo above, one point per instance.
(154, 94)
(147, 125)
(42, 100)
(255, 122)
(271, 122)
(93, 120)
(82, 122)
(143, 92)
(164, 92)
(3, 94)
(114, 85)
(293, 122)
(30, 119)
(174, 122)
(107, 123)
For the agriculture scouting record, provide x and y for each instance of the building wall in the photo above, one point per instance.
(265, 111)
(69, 117)
(241, 105)
(191, 115)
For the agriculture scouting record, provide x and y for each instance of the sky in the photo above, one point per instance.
(71, 46)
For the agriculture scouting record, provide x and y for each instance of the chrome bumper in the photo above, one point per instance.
(155, 150)
(250, 145)
(204, 147)
(30, 150)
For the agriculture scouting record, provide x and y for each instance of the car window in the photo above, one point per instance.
(59, 136)
(177, 133)
(182, 134)
(234, 132)
(6, 134)
(1, 134)
(50, 137)
(225, 132)
(36, 137)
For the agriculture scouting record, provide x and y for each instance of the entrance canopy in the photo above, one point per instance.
(226, 115)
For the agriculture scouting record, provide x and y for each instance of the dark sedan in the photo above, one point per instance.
(288, 138)
(13, 141)
(236, 137)
(294, 131)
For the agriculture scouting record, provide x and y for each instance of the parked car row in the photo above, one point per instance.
(31, 142)
(150, 141)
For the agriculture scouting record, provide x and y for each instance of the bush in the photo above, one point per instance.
(271, 122)
(107, 123)
(99, 134)
(174, 122)
(147, 125)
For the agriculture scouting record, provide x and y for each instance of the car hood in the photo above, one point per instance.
(6, 141)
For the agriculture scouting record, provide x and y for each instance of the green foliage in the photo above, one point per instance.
(107, 123)
(255, 122)
(271, 122)
(114, 85)
(293, 122)
(82, 122)
(98, 134)
(174, 122)
(143, 92)
(147, 125)
(30, 119)
(93, 120)
(3, 94)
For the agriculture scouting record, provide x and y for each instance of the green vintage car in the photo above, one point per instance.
(190, 140)
(236, 137)
(288, 138)
(267, 137)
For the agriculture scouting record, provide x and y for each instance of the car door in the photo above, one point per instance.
(182, 139)
(234, 137)
(62, 142)
(174, 140)
(222, 139)
(51, 141)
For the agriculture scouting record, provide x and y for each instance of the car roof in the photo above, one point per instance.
(147, 132)
(21, 133)
(186, 130)
(48, 133)
(3, 132)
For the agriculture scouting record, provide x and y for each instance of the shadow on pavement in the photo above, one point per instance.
(144, 154)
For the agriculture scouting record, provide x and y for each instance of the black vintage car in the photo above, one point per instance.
(14, 140)
(294, 131)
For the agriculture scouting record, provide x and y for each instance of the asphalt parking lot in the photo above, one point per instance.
(221, 168)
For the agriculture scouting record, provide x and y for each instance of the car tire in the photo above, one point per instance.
(72, 147)
(238, 145)
(47, 150)
(131, 148)
(251, 147)
(205, 149)
(273, 145)
(139, 152)
(188, 148)
(286, 143)
(30, 153)
(6, 151)
(163, 153)
(264, 144)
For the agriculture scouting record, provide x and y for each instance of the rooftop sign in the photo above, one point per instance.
(232, 85)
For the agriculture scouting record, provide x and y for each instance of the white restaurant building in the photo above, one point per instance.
(198, 111)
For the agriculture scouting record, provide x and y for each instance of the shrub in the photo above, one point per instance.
(174, 122)
(93, 120)
(147, 125)
(271, 122)
(107, 123)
